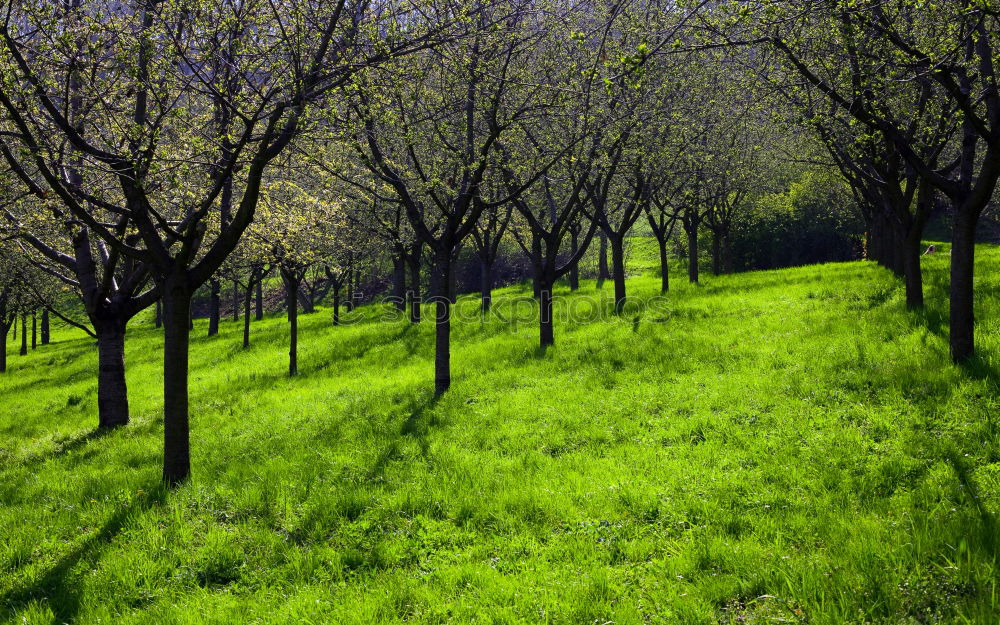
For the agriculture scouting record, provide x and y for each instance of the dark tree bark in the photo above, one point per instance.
(34, 331)
(963, 256)
(112, 391)
(259, 288)
(692, 233)
(618, 267)
(158, 319)
(546, 329)
(24, 334)
(236, 299)
(176, 335)
(46, 332)
(603, 273)
(215, 304)
(4, 330)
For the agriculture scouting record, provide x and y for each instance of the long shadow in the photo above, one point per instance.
(413, 426)
(980, 368)
(67, 446)
(56, 586)
(988, 523)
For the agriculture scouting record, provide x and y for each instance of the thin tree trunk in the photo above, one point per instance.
(236, 299)
(963, 253)
(247, 300)
(442, 328)
(602, 261)
(4, 330)
(176, 337)
(24, 335)
(574, 270)
(336, 305)
(214, 307)
(618, 265)
(536, 264)
(546, 331)
(291, 293)
(664, 266)
(693, 255)
(34, 331)
(112, 390)
(399, 282)
(911, 270)
(46, 330)
(259, 288)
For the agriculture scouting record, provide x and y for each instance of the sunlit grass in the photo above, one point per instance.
(777, 445)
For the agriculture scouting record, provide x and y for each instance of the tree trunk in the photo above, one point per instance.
(536, 264)
(336, 305)
(34, 331)
(618, 265)
(236, 300)
(664, 266)
(112, 391)
(414, 287)
(291, 293)
(442, 328)
(24, 335)
(602, 261)
(486, 283)
(546, 331)
(214, 307)
(4, 330)
(911, 269)
(46, 332)
(259, 288)
(963, 252)
(692, 254)
(158, 319)
(574, 269)
(176, 337)
(399, 282)
(247, 300)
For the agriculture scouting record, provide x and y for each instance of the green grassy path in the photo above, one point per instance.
(776, 445)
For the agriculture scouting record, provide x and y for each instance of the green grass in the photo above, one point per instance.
(784, 446)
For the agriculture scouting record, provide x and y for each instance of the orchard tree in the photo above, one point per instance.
(431, 128)
(871, 60)
(158, 134)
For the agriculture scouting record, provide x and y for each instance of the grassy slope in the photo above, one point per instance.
(785, 444)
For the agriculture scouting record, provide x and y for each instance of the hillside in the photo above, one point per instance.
(782, 446)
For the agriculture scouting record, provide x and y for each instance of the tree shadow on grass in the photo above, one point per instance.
(979, 367)
(415, 426)
(985, 536)
(67, 446)
(56, 587)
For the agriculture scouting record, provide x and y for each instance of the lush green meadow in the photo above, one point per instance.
(784, 446)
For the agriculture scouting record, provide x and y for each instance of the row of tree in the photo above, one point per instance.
(156, 146)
